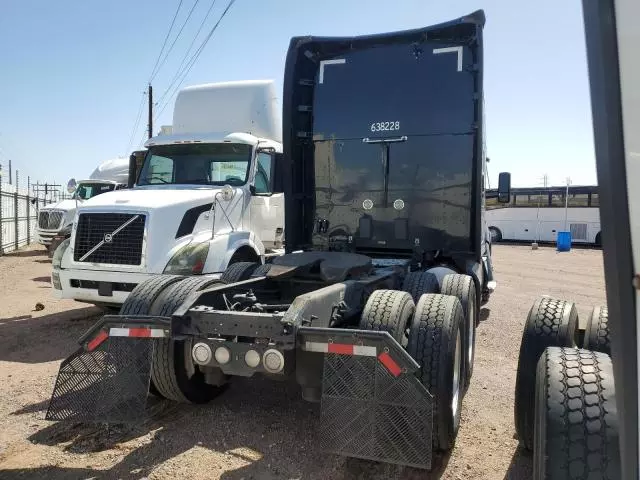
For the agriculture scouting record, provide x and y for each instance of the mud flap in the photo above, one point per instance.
(108, 384)
(107, 380)
(373, 406)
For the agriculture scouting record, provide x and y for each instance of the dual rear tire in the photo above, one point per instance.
(173, 375)
(433, 333)
(565, 406)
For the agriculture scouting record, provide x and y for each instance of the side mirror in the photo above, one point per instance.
(504, 187)
(277, 173)
(135, 164)
(131, 179)
(72, 185)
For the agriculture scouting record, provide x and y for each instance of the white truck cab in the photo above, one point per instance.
(207, 194)
(56, 218)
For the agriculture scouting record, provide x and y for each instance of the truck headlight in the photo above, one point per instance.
(189, 260)
(56, 260)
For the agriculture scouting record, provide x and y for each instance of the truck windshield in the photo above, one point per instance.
(206, 164)
(85, 191)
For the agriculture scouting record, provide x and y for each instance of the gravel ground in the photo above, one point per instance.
(257, 429)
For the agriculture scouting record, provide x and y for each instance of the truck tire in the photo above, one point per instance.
(390, 311)
(576, 434)
(169, 369)
(596, 335)
(435, 342)
(463, 287)
(262, 270)
(496, 234)
(141, 298)
(551, 323)
(236, 272)
(418, 283)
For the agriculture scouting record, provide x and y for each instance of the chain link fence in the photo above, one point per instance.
(19, 207)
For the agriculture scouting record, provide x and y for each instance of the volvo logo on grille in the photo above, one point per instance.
(108, 238)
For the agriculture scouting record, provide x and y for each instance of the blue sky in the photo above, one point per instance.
(72, 73)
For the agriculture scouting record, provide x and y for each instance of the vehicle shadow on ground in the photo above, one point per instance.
(484, 314)
(250, 428)
(521, 467)
(47, 260)
(29, 339)
(42, 279)
(26, 253)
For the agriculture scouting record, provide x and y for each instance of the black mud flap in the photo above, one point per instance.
(107, 380)
(373, 406)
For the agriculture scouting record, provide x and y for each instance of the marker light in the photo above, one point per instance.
(222, 355)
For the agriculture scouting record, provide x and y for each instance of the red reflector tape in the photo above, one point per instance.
(98, 339)
(341, 348)
(139, 332)
(390, 364)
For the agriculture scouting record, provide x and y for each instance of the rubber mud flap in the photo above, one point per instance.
(372, 406)
(108, 384)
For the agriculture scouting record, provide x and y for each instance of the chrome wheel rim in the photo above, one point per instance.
(455, 404)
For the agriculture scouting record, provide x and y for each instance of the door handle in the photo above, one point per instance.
(403, 138)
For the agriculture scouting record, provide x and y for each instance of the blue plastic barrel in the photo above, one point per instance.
(564, 241)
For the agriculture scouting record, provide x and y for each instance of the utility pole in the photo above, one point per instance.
(150, 124)
(10, 174)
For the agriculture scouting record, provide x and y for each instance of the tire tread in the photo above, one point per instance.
(388, 310)
(576, 401)
(418, 283)
(430, 330)
(551, 322)
(163, 369)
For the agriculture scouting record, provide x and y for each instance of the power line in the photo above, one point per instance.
(164, 44)
(137, 123)
(176, 39)
(154, 72)
(186, 54)
(196, 55)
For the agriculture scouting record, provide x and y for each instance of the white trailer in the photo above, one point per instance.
(207, 195)
(55, 220)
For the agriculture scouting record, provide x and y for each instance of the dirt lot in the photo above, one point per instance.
(257, 429)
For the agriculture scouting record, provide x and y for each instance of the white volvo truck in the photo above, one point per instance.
(55, 220)
(207, 195)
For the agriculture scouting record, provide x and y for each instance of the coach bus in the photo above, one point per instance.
(537, 215)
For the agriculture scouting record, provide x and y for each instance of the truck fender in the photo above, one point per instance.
(440, 272)
(222, 248)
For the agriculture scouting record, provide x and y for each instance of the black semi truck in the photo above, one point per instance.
(373, 308)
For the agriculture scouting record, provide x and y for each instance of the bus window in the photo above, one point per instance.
(557, 199)
(521, 200)
(539, 200)
(578, 200)
(595, 201)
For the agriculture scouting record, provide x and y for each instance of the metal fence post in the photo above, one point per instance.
(15, 211)
(28, 211)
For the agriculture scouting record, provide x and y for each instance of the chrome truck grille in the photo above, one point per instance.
(112, 238)
(50, 219)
